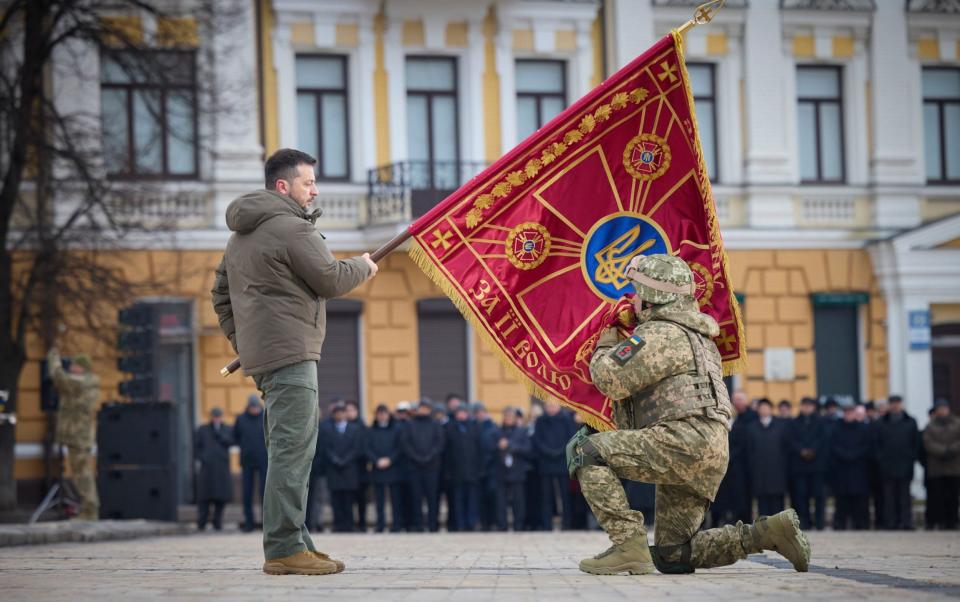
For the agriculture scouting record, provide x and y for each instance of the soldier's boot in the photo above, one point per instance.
(323, 556)
(632, 556)
(781, 533)
(301, 563)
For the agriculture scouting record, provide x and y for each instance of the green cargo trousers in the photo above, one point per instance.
(290, 431)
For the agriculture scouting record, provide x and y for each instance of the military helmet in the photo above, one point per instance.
(660, 278)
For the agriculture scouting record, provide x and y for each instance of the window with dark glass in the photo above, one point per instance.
(820, 124)
(835, 342)
(703, 82)
(322, 120)
(338, 373)
(433, 139)
(148, 104)
(941, 123)
(541, 93)
(443, 341)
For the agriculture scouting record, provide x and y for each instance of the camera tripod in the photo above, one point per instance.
(60, 495)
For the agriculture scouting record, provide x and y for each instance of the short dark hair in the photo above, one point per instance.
(283, 164)
(764, 401)
(784, 402)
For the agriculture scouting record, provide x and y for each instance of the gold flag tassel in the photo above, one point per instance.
(703, 15)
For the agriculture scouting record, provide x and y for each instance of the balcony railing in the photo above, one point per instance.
(695, 3)
(420, 185)
(840, 5)
(933, 6)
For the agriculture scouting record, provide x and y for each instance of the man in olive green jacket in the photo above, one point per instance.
(269, 295)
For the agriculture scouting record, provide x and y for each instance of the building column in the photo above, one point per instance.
(897, 124)
(394, 50)
(472, 97)
(508, 99)
(366, 65)
(629, 25)
(768, 78)
(284, 62)
(237, 152)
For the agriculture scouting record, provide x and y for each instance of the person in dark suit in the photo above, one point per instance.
(490, 491)
(343, 445)
(850, 452)
(768, 464)
(318, 470)
(513, 448)
(212, 451)
(550, 436)
(463, 457)
(353, 417)
(734, 501)
(382, 443)
(248, 436)
(897, 443)
(422, 443)
(807, 444)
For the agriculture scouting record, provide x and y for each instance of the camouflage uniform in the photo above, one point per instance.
(75, 427)
(672, 410)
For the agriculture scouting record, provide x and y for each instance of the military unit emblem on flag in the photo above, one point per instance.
(533, 250)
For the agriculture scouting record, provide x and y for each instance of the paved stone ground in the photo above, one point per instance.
(467, 567)
(86, 531)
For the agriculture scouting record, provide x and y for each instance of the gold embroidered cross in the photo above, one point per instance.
(442, 239)
(668, 71)
(727, 340)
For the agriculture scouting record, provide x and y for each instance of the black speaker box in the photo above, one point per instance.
(136, 433)
(144, 492)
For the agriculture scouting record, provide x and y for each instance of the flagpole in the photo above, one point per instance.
(703, 15)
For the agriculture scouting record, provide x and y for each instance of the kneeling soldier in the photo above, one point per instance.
(672, 410)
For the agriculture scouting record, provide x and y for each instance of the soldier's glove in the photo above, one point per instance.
(582, 452)
(608, 338)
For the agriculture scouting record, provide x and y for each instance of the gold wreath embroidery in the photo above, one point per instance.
(704, 281)
(551, 151)
(646, 157)
(527, 245)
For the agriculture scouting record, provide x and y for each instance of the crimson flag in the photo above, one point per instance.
(533, 249)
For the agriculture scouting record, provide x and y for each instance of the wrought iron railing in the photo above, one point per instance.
(933, 6)
(417, 184)
(841, 5)
(694, 3)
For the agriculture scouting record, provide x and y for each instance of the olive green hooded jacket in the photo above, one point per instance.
(272, 284)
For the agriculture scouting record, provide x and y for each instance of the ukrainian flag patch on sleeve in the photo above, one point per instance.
(627, 349)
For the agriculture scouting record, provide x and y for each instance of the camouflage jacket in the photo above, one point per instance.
(676, 373)
(78, 401)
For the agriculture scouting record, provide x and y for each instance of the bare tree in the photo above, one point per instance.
(62, 208)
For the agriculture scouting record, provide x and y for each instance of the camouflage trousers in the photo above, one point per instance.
(686, 460)
(82, 475)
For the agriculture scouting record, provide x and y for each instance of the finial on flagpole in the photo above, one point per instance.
(704, 14)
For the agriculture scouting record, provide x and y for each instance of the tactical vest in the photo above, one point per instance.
(690, 394)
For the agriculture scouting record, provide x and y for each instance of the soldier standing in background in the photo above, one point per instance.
(672, 412)
(79, 389)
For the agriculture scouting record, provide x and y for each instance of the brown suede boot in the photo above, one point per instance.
(632, 556)
(323, 556)
(781, 533)
(301, 563)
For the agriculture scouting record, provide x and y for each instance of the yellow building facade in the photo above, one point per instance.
(798, 249)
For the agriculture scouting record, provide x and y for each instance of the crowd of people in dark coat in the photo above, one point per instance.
(491, 476)
(861, 454)
(422, 457)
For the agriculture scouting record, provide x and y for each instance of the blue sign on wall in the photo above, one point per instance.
(919, 327)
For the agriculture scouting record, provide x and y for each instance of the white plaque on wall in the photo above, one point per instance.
(778, 363)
